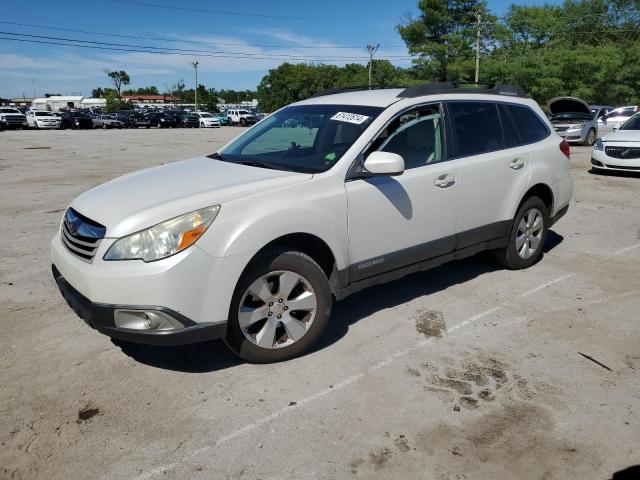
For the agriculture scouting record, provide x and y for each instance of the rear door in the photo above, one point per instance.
(491, 165)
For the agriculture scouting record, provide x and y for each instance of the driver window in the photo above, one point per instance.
(417, 136)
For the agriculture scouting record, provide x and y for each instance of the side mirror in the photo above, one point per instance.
(616, 127)
(384, 163)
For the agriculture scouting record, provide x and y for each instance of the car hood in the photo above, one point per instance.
(141, 199)
(623, 136)
(568, 105)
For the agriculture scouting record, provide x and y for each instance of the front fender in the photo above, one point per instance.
(317, 207)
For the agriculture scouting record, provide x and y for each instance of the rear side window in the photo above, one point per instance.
(476, 127)
(531, 128)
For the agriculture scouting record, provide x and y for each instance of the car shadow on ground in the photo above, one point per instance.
(614, 173)
(388, 295)
(630, 473)
(213, 355)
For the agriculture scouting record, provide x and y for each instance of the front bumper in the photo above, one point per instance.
(48, 124)
(600, 160)
(101, 317)
(577, 135)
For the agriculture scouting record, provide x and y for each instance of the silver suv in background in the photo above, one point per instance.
(572, 119)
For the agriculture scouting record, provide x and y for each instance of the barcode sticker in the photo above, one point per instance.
(350, 118)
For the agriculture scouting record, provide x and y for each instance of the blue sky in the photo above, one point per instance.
(246, 46)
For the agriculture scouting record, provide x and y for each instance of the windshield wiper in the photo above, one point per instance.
(249, 163)
(256, 163)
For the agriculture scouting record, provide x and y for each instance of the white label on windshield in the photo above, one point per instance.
(350, 118)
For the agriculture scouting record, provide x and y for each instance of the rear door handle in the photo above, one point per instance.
(444, 181)
(517, 164)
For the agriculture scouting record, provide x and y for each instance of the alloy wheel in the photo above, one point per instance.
(529, 234)
(277, 309)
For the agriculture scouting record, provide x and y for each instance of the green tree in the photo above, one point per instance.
(115, 103)
(443, 37)
(119, 78)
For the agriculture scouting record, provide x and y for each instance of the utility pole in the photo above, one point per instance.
(195, 67)
(478, 16)
(372, 50)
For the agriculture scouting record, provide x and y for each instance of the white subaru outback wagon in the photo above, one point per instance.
(323, 198)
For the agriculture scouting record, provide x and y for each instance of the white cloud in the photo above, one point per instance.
(85, 66)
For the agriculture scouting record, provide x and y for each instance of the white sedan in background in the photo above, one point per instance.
(42, 120)
(620, 150)
(615, 118)
(208, 120)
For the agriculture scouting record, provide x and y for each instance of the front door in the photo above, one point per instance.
(401, 220)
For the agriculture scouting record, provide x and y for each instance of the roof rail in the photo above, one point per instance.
(333, 91)
(435, 88)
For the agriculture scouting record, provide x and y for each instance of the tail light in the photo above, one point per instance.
(564, 148)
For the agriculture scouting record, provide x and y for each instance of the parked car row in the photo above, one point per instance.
(13, 118)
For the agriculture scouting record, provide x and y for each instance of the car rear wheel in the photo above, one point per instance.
(527, 237)
(590, 138)
(280, 307)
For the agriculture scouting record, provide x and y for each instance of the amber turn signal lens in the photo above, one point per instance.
(189, 237)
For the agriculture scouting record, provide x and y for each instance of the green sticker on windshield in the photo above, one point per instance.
(330, 157)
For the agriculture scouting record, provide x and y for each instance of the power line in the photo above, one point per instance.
(152, 49)
(194, 42)
(215, 12)
(139, 49)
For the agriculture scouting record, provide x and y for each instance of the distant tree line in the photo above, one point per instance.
(207, 97)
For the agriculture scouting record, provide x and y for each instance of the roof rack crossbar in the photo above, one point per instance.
(435, 88)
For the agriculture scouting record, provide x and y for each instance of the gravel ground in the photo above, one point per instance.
(463, 372)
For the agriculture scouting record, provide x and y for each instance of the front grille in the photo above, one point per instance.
(561, 129)
(15, 120)
(81, 235)
(626, 153)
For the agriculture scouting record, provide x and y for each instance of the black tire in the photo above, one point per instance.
(590, 139)
(104, 126)
(243, 122)
(275, 260)
(508, 256)
(159, 125)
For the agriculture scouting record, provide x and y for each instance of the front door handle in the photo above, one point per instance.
(445, 181)
(517, 164)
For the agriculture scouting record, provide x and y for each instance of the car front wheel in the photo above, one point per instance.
(280, 307)
(590, 139)
(527, 237)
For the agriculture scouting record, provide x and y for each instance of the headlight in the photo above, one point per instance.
(598, 145)
(578, 126)
(164, 239)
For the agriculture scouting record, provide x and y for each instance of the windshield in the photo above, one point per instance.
(632, 124)
(43, 114)
(306, 138)
(8, 110)
(205, 115)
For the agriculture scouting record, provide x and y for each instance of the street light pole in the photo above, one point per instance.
(195, 67)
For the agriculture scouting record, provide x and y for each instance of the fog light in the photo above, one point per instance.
(596, 162)
(150, 320)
